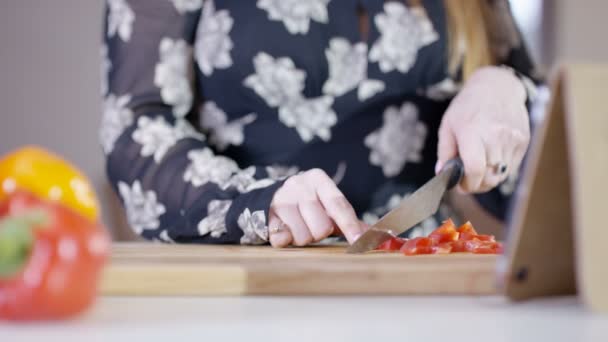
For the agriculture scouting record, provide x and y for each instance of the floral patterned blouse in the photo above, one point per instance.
(210, 105)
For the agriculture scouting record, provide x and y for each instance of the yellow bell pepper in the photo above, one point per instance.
(48, 176)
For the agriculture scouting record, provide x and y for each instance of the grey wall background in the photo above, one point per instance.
(49, 85)
(49, 73)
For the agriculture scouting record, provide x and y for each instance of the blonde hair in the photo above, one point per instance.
(479, 33)
(468, 36)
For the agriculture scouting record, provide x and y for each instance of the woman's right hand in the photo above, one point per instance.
(307, 208)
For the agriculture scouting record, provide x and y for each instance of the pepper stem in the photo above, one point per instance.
(17, 239)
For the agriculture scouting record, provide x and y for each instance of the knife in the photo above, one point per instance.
(412, 210)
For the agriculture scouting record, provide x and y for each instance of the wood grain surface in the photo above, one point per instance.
(154, 269)
(557, 245)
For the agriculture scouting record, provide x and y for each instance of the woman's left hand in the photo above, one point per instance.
(487, 126)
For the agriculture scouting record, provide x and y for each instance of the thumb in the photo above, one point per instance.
(447, 147)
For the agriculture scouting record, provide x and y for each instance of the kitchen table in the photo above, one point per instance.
(331, 318)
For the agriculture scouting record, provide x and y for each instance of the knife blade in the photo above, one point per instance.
(412, 210)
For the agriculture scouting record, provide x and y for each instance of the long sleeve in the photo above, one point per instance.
(509, 50)
(508, 46)
(173, 185)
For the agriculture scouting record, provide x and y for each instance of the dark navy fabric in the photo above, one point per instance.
(197, 144)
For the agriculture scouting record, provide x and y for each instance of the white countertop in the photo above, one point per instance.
(321, 318)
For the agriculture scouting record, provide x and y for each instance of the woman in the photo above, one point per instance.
(283, 121)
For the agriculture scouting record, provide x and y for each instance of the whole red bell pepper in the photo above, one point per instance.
(50, 259)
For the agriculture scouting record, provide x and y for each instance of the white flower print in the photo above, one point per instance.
(280, 84)
(241, 180)
(348, 70)
(424, 228)
(392, 203)
(347, 66)
(244, 181)
(106, 65)
(402, 32)
(278, 172)
(340, 172)
(157, 136)
(183, 6)
(398, 141)
(296, 14)
(310, 117)
(254, 227)
(211, 116)
(223, 133)
(231, 133)
(369, 218)
(215, 221)
(164, 237)
(213, 43)
(183, 129)
(116, 117)
(142, 207)
(206, 167)
(277, 81)
(369, 88)
(259, 184)
(443, 90)
(172, 75)
(120, 19)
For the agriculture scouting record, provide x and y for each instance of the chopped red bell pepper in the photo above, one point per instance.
(480, 237)
(445, 233)
(467, 227)
(393, 244)
(419, 245)
(487, 247)
(458, 246)
(443, 248)
(467, 236)
(484, 237)
(446, 239)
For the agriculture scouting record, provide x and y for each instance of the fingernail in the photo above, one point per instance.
(438, 166)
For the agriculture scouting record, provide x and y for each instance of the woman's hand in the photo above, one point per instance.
(487, 125)
(307, 208)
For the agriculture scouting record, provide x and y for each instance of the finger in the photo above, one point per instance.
(473, 155)
(311, 210)
(365, 226)
(282, 237)
(290, 215)
(337, 231)
(519, 152)
(512, 161)
(337, 206)
(496, 156)
(447, 147)
(315, 217)
(486, 186)
(340, 210)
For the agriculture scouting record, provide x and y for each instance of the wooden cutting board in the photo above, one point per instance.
(154, 269)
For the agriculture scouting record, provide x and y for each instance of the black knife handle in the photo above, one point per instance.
(457, 171)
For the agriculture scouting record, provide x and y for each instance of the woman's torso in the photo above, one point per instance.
(310, 84)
